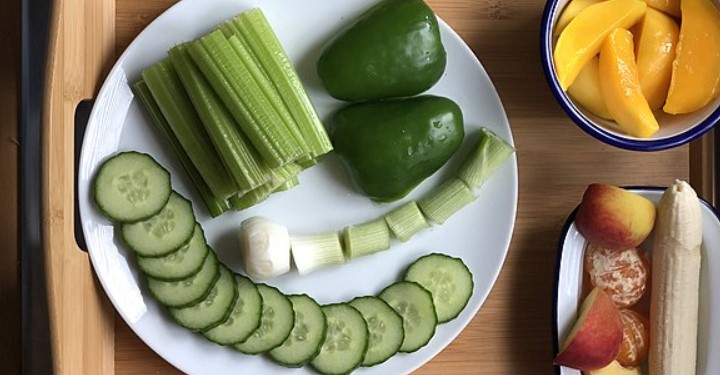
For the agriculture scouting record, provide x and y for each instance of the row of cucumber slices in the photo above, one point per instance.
(203, 295)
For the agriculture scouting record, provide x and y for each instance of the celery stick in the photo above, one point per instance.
(446, 200)
(287, 185)
(169, 94)
(258, 115)
(311, 252)
(366, 239)
(487, 155)
(278, 177)
(268, 89)
(240, 159)
(215, 206)
(255, 28)
(406, 221)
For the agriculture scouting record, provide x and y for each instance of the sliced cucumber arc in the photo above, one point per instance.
(212, 310)
(449, 281)
(244, 318)
(276, 322)
(345, 343)
(415, 304)
(180, 264)
(307, 335)
(131, 186)
(164, 232)
(188, 291)
(385, 327)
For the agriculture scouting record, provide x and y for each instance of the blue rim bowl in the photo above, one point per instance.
(692, 126)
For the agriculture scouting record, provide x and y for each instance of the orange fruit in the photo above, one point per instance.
(636, 339)
(622, 274)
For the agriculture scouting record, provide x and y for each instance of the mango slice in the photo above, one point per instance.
(620, 85)
(583, 36)
(671, 7)
(571, 10)
(696, 70)
(656, 36)
(586, 90)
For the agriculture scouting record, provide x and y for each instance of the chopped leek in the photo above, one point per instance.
(366, 239)
(311, 252)
(406, 221)
(487, 155)
(446, 199)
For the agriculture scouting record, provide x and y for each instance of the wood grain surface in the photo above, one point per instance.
(512, 332)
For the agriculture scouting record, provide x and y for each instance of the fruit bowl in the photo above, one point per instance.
(568, 288)
(675, 130)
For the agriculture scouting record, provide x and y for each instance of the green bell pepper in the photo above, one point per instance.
(390, 147)
(393, 50)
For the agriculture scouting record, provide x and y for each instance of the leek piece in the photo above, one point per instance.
(214, 205)
(239, 157)
(487, 155)
(406, 221)
(366, 239)
(170, 96)
(258, 33)
(446, 199)
(311, 252)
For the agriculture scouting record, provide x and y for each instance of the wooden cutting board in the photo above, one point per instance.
(512, 332)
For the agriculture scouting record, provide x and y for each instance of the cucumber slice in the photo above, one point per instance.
(180, 264)
(131, 186)
(212, 310)
(307, 335)
(164, 232)
(346, 340)
(415, 304)
(244, 318)
(276, 322)
(188, 291)
(385, 327)
(449, 281)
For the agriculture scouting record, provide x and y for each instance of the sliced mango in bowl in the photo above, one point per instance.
(586, 90)
(656, 39)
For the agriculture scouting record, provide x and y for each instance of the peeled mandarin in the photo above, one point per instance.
(671, 7)
(586, 90)
(571, 10)
(657, 36)
(584, 35)
(696, 70)
(622, 274)
(620, 86)
(636, 339)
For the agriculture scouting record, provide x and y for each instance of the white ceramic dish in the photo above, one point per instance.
(568, 280)
(324, 201)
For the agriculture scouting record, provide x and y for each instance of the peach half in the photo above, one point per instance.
(614, 218)
(595, 338)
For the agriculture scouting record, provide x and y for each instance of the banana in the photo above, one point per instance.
(675, 282)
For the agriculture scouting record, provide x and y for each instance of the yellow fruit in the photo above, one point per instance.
(571, 10)
(696, 70)
(584, 35)
(586, 90)
(620, 85)
(671, 7)
(657, 36)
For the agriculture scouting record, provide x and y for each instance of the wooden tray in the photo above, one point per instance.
(510, 335)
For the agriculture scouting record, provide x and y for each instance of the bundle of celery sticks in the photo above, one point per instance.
(235, 113)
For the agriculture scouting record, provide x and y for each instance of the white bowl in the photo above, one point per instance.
(674, 130)
(568, 285)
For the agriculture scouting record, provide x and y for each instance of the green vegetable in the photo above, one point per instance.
(311, 252)
(390, 147)
(487, 155)
(393, 50)
(446, 199)
(406, 221)
(366, 239)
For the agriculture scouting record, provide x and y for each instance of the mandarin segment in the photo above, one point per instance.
(636, 339)
(622, 274)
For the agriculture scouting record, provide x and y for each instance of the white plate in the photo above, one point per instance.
(568, 280)
(324, 201)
